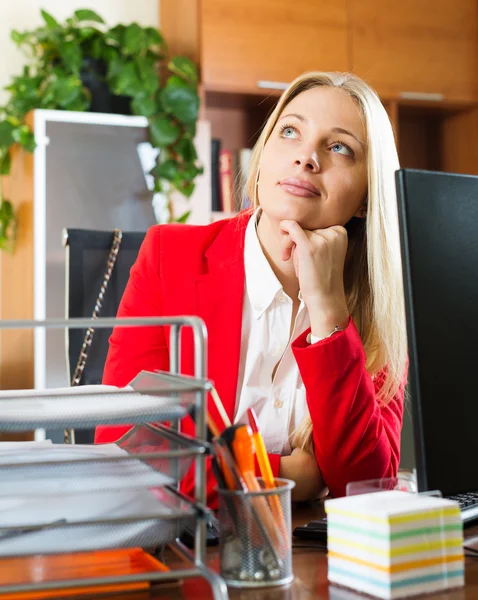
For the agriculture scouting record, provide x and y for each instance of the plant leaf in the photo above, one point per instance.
(127, 81)
(184, 68)
(185, 188)
(183, 218)
(167, 170)
(6, 133)
(22, 135)
(181, 101)
(51, 23)
(135, 39)
(163, 132)
(7, 226)
(5, 162)
(148, 73)
(88, 15)
(154, 37)
(145, 106)
(17, 37)
(71, 55)
(116, 34)
(185, 148)
(66, 91)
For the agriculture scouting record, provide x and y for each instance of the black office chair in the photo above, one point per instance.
(87, 254)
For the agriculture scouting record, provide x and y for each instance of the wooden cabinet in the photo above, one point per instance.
(420, 55)
(406, 48)
(244, 42)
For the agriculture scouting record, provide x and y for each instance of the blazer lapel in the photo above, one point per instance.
(219, 297)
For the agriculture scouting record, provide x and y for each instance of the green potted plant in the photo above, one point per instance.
(70, 63)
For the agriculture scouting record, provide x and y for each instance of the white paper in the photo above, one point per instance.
(22, 512)
(57, 478)
(82, 404)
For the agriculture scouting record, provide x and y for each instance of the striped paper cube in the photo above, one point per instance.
(394, 544)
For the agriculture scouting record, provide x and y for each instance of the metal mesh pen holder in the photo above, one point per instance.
(255, 538)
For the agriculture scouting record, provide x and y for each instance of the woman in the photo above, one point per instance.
(302, 297)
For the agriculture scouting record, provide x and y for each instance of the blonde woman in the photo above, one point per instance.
(302, 296)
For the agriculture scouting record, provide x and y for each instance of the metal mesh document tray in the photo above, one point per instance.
(151, 397)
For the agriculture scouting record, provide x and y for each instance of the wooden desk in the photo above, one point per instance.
(310, 570)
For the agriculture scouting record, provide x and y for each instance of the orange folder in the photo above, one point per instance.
(77, 565)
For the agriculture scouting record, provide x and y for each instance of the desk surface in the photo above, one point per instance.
(310, 570)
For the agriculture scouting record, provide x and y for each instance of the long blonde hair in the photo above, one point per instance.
(372, 275)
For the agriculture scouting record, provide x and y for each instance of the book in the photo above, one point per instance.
(226, 180)
(216, 203)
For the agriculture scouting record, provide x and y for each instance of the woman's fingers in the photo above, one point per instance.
(293, 235)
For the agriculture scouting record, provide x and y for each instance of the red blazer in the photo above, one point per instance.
(199, 270)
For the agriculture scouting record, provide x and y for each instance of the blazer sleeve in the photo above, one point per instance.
(355, 436)
(133, 349)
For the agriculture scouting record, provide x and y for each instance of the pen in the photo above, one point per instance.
(254, 504)
(261, 452)
(239, 439)
(266, 470)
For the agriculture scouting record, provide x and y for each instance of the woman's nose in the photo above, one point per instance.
(309, 162)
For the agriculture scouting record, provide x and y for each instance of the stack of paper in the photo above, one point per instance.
(394, 544)
(53, 500)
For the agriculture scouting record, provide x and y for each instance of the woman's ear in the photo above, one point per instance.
(362, 211)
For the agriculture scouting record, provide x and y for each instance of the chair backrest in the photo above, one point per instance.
(87, 253)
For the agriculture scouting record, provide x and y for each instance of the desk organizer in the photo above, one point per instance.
(394, 544)
(67, 498)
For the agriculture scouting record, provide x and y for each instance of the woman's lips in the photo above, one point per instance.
(299, 187)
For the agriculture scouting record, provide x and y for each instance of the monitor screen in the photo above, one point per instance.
(438, 216)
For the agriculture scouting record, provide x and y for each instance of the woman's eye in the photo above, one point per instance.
(341, 149)
(288, 132)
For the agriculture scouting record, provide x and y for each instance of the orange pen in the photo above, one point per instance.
(242, 446)
(261, 452)
(266, 470)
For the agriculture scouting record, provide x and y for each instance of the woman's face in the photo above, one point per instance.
(314, 167)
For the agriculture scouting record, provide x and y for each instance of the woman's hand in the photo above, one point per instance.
(301, 467)
(319, 258)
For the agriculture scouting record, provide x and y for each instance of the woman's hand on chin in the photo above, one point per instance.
(301, 467)
(319, 258)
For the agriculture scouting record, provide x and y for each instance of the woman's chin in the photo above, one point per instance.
(307, 219)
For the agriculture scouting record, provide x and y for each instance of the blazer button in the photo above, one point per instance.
(278, 403)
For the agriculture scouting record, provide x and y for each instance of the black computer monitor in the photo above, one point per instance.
(438, 215)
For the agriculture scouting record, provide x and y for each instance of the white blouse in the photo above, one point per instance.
(280, 404)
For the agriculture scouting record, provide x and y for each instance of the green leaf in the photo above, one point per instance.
(71, 55)
(145, 106)
(127, 81)
(116, 34)
(186, 150)
(88, 15)
(183, 218)
(22, 135)
(87, 32)
(148, 73)
(167, 170)
(66, 91)
(51, 23)
(163, 132)
(5, 162)
(17, 37)
(7, 226)
(187, 189)
(6, 133)
(184, 68)
(154, 37)
(135, 39)
(181, 101)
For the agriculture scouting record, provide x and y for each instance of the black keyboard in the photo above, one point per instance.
(468, 505)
